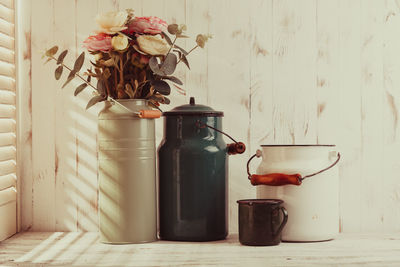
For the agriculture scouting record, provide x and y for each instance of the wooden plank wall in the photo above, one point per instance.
(283, 71)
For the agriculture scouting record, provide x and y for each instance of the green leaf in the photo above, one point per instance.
(79, 62)
(95, 100)
(52, 51)
(153, 64)
(173, 79)
(184, 60)
(169, 65)
(71, 76)
(58, 72)
(173, 28)
(61, 57)
(166, 37)
(80, 88)
(161, 86)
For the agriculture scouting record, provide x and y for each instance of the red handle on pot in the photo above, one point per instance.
(149, 114)
(276, 179)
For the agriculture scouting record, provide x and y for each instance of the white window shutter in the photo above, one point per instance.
(8, 192)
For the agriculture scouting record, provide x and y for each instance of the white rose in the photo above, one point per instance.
(112, 22)
(153, 44)
(119, 42)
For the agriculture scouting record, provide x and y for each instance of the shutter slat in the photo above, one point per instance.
(8, 181)
(6, 27)
(7, 167)
(7, 153)
(7, 83)
(7, 3)
(7, 111)
(6, 55)
(6, 41)
(7, 196)
(7, 126)
(6, 13)
(7, 69)
(7, 139)
(7, 97)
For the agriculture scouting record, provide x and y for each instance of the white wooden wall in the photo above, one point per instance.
(283, 71)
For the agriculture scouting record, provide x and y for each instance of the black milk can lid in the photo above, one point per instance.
(193, 109)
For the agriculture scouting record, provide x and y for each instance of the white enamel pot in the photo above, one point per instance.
(305, 177)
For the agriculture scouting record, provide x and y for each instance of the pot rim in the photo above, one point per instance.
(260, 201)
(305, 145)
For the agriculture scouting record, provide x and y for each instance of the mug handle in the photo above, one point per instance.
(284, 221)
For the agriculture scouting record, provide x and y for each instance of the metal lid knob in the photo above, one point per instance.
(192, 102)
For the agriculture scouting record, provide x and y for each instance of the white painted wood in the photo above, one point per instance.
(372, 95)
(66, 181)
(349, 128)
(84, 249)
(85, 184)
(229, 83)
(308, 71)
(24, 111)
(43, 118)
(390, 167)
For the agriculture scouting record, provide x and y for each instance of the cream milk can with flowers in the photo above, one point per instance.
(305, 177)
(127, 174)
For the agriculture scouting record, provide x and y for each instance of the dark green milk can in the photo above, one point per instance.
(193, 174)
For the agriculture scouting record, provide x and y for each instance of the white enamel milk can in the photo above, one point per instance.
(305, 177)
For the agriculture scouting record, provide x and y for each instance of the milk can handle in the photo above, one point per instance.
(276, 179)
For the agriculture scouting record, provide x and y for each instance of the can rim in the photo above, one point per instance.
(305, 145)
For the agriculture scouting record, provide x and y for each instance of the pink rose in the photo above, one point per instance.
(149, 25)
(99, 42)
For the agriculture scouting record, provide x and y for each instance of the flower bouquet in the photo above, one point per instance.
(134, 58)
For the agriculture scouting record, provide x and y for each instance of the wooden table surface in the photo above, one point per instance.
(84, 249)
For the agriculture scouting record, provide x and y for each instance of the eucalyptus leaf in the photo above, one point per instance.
(80, 88)
(161, 86)
(153, 64)
(79, 62)
(169, 65)
(181, 49)
(95, 100)
(58, 72)
(173, 28)
(52, 51)
(101, 88)
(61, 57)
(166, 37)
(166, 100)
(71, 76)
(184, 60)
(173, 79)
(179, 52)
